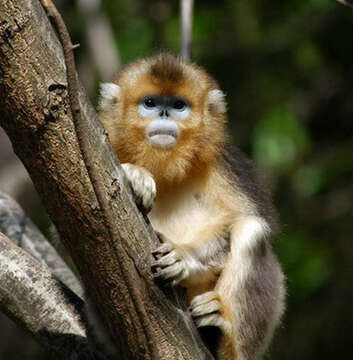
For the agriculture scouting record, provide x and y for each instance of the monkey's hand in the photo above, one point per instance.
(173, 264)
(143, 186)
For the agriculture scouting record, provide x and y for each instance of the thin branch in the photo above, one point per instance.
(186, 28)
(345, 3)
(19, 228)
(34, 299)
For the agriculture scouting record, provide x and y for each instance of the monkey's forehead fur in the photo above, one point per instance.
(166, 72)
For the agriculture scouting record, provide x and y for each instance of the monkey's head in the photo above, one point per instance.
(165, 115)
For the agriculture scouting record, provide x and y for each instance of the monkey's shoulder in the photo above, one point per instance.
(244, 180)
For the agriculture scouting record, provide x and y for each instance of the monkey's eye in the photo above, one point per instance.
(149, 102)
(179, 105)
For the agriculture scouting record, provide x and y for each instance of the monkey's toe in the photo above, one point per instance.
(204, 309)
(207, 310)
(204, 298)
(205, 304)
(215, 319)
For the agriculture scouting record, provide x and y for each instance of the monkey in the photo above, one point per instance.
(166, 121)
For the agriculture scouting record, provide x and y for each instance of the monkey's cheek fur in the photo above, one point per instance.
(163, 140)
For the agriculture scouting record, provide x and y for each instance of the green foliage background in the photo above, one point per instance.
(286, 67)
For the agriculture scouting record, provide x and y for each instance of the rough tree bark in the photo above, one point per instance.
(22, 232)
(39, 292)
(143, 321)
(33, 298)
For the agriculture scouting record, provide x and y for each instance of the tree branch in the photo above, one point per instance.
(345, 3)
(19, 228)
(143, 321)
(186, 28)
(39, 303)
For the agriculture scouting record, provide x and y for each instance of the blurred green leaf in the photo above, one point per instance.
(280, 140)
(136, 40)
(247, 29)
(308, 180)
(307, 56)
(307, 262)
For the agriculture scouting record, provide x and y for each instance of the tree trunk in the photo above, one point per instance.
(143, 321)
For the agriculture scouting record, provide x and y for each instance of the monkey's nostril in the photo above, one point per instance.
(164, 113)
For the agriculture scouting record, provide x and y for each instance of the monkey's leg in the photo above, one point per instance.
(251, 287)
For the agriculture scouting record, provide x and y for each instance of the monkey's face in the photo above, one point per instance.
(162, 118)
(163, 112)
(164, 115)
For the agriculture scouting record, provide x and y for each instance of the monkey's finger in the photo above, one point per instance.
(163, 249)
(170, 272)
(167, 260)
(149, 193)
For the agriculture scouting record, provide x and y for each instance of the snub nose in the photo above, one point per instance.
(164, 113)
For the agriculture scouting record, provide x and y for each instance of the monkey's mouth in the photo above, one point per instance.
(163, 138)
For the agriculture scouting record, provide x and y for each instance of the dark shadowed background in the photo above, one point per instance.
(286, 67)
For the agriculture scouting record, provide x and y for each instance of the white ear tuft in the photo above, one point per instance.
(216, 102)
(109, 95)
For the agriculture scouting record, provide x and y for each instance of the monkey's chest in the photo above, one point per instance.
(182, 220)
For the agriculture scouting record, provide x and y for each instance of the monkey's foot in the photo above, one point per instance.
(171, 265)
(142, 184)
(207, 310)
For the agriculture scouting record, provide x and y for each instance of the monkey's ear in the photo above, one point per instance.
(109, 96)
(216, 102)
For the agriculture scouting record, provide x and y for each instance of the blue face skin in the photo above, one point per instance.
(164, 111)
